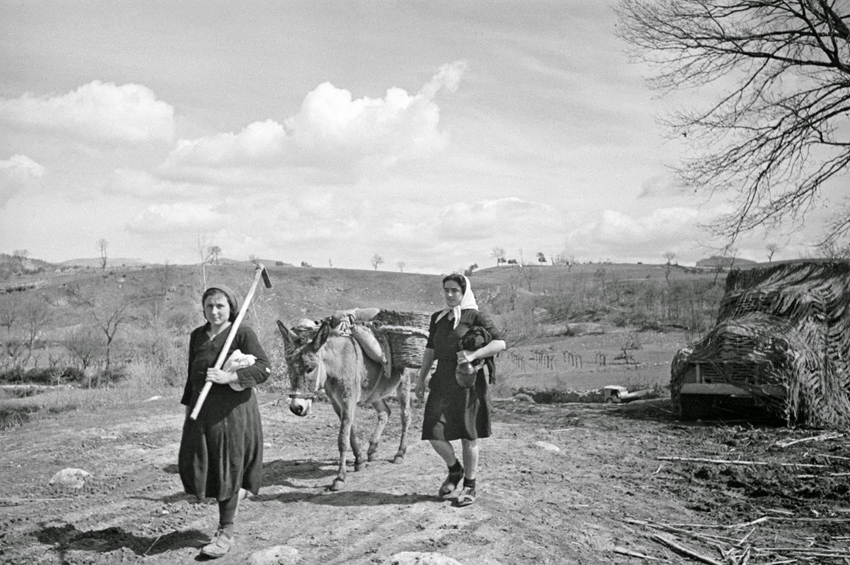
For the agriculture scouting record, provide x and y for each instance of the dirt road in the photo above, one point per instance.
(559, 484)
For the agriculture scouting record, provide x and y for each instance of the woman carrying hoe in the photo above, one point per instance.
(221, 453)
(454, 411)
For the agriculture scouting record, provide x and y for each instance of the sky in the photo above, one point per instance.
(427, 133)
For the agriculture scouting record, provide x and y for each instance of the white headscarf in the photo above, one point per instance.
(466, 303)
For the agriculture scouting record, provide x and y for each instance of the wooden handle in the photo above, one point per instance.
(223, 355)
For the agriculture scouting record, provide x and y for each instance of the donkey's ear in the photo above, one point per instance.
(321, 336)
(288, 336)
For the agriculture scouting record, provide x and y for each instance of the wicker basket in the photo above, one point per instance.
(410, 319)
(407, 335)
(406, 344)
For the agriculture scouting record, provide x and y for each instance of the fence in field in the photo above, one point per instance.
(551, 360)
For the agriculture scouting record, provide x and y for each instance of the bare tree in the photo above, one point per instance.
(541, 258)
(35, 315)
(12, 346)
(498, 253)
(376, 260)
(102, 244)
(84, 345)
(214, 252)
(776, 132)
(772, 248)
(202, 245)
(669, 255)
(401, 265)
(20, 255)
(108, 312)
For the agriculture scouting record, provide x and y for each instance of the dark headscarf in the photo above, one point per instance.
(232, 299)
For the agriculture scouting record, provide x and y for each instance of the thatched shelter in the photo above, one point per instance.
(782, 338)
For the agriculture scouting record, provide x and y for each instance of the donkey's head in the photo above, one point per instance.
(304, 364)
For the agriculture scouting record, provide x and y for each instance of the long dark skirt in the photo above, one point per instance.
(453, 412)
(222, 451)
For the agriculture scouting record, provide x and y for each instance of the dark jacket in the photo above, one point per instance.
(474, 339)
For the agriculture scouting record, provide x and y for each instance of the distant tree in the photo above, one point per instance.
(9, 317)
(214, 254)
(512, 262)
(400, 265)
(20, 255)
(772, 248)
(669, 255)
(376, 261)
(202, 245)
(102, 244)
(529, 274)
(35, 315)
(84, 344)
(541, 258)
(109, 312)
(498, 253)
(305, 264)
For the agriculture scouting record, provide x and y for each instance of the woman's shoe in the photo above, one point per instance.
(466, 497)
(451, 483)
(218, 546)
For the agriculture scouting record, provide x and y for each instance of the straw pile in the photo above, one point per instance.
(407, 334)
(786, 326)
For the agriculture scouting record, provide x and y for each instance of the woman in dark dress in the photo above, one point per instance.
(453, 411)
(221, 453)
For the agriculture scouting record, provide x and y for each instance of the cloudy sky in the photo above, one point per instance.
(426, 132)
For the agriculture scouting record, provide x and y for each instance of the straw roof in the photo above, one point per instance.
(786, 324)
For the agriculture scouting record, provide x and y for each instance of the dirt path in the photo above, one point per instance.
(559, 484)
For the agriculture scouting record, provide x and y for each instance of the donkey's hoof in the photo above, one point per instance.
(399, 458)
(337, 485)
(359, 466)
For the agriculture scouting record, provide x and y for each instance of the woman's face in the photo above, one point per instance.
(452, 293)
(217, 309)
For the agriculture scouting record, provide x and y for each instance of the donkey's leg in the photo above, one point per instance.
(342, 437)
(359, 460)
(403, 393)
(383, 412)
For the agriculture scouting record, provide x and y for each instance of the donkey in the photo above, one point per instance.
(317, 359)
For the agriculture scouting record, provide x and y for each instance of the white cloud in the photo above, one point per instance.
(143, 184)
(447, 77)
(176, 218)
(617, 234)
(96, 111)
(512, 218)
(16, 174)
(332, 133)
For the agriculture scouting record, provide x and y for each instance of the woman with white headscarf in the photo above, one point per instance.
(454, 411)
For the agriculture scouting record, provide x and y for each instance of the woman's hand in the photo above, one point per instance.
(419, 391)
(220, 377)
(466, 357)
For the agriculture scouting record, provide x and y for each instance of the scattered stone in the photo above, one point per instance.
(420, 558)
(276, 555)
(523, 397)
(70, 478)
(547, 446)
(152, 398)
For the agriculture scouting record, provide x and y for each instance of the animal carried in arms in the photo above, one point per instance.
(357, 359)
